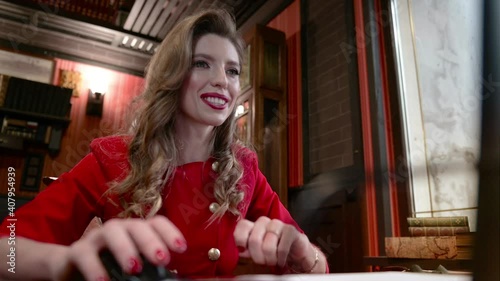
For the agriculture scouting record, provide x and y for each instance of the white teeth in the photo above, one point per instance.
(216, 101)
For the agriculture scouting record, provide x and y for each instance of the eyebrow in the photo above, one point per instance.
(209, 57)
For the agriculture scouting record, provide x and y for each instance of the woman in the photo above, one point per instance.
(177, 189)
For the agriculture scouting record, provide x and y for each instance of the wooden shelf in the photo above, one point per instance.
(48, 130)
(35, 116)
(11, 142)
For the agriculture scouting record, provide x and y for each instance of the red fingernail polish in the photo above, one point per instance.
(180, 244)
(160, 255)
(134, 266)
(241, 249)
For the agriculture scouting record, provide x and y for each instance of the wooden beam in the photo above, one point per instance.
(132, 16)
(163, 18)
(174, 17)
(158, 8)
(143, 15)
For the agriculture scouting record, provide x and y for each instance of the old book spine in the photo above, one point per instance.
(444, 247)
(465, 253)
(437, 230)
(439, 221)
(4, 81)
(465, 239)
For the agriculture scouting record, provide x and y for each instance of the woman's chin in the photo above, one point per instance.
(215, 121)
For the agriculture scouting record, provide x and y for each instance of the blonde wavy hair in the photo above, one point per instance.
(152, 150)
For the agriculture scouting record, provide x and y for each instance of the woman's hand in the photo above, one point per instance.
(272, 242)
(126, 239)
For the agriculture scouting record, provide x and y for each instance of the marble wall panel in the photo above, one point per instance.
(446, 42)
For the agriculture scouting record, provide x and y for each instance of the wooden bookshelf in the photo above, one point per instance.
(46, 133)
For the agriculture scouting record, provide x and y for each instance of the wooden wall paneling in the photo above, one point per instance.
(487, 249)
(397, 173)
(379, 148)
(14, 159)
(82, 129)
(369, 212)
(288, 23)
(330, 98)
(268, 115)
(264, 92)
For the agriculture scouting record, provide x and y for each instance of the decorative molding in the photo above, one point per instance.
(47, 30)
(26, 67)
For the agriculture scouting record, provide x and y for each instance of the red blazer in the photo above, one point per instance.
(60, 213)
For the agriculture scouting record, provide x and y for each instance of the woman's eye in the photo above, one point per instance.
(233, 72)
(200, 64)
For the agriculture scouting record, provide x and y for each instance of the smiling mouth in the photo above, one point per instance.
(215, 101)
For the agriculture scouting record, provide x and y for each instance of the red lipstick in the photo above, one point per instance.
(214, 100)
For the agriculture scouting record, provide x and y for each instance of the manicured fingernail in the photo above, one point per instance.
(161, 255)
(241, 249)
(102, 278)
(134, 266)
(180, 244)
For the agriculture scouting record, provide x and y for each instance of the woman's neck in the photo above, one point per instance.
(194, 142)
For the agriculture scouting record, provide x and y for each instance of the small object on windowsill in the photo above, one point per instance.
(439, 270)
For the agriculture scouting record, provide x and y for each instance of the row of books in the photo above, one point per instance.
(438, 226)
(465, 245)
(439, 221)
(437, 237)
(4, 82)
(456, 227)
(35, 97)
(102, 10)
(25, 129)
(459, 247)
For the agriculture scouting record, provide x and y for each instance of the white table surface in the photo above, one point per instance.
(365, 276)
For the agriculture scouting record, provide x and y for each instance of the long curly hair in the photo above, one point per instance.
(152, 150)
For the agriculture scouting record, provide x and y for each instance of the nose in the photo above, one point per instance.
(219, 78)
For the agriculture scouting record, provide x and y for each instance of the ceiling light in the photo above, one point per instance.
(125, 40)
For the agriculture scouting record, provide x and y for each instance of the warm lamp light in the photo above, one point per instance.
(95, 103)
(240, 110)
